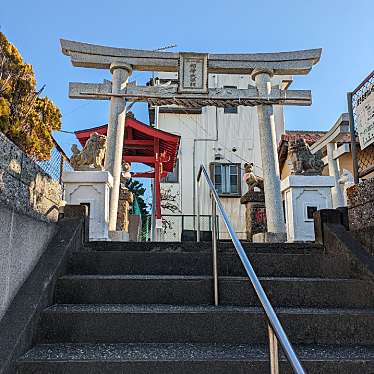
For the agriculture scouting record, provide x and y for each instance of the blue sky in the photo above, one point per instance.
(343, 28)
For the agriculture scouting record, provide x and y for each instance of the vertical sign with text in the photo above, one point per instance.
(365, 117)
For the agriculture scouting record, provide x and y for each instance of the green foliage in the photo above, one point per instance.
(138, 190)
(26, 118)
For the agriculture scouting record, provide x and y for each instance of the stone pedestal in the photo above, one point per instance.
(135, 228)
(255, 213)
(303, 195)
(91, 188)
(119, 236)
(270, 237)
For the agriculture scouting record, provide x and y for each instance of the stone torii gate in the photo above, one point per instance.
(192, 91)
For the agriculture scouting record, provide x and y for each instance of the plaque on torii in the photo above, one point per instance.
(192, 91)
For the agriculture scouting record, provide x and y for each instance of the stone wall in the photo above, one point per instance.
(24, 186)
(361, 213)
(29, 205)
(361, 205)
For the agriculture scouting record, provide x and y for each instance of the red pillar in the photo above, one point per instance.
(157, 179)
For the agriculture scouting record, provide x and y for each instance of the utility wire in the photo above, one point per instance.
(166, 47)
(76, 108)
(66, 132)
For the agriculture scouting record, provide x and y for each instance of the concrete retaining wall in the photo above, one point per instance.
(23, 240)
(29, 206)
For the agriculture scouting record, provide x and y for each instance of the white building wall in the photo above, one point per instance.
(213, 131)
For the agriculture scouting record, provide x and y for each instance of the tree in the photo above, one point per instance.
(25, 117)
(169, 200)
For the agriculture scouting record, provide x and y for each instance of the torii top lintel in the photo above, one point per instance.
(101, 57)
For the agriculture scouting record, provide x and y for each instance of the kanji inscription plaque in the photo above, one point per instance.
(193, 72)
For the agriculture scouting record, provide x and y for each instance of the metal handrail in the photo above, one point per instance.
(275, 329)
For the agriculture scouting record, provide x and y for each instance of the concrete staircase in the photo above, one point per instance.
(146, 308)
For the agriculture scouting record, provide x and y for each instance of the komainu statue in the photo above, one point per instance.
(251, 179)
(91, 157)
(303, 161)
(125, 175)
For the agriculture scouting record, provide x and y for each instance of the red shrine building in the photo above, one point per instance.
(144, 144)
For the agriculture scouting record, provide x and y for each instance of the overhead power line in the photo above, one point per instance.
(166, 47)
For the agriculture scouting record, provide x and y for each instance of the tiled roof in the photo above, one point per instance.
(309, 136)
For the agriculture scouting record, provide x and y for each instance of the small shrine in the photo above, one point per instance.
(144, 144)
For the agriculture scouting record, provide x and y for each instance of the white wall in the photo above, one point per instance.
(213, 131)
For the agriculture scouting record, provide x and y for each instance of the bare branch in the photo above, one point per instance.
(169, 200)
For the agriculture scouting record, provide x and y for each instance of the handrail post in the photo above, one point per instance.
(198, 211)
(273, 351)
(214, 242)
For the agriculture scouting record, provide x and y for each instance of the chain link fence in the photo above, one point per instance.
(58, 163)
(365, 161)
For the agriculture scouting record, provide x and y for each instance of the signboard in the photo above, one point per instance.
(193, 72)
(364, 112)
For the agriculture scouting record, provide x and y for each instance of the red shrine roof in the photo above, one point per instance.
(139, 141)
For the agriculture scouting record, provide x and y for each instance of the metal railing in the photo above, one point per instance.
(275, 329)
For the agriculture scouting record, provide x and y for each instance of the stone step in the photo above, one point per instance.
(203, 247)
(200, 324)
(187, 358)
(170, 289)
(200, 263)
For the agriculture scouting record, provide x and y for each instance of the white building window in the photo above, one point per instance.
(227, 179)
(231, 109)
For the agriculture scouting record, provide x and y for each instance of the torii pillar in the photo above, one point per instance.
(269, 156)
(116, 130)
